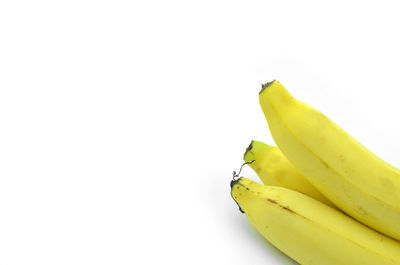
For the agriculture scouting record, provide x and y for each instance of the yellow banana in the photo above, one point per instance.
(274, 169)
(309, 231)
(347, 173)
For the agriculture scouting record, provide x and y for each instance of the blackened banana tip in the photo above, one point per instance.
(248, 149)
(233, 183)
(266, 85)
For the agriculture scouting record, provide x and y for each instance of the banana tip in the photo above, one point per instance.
(248, 149)
(266, 85)
(233, 183)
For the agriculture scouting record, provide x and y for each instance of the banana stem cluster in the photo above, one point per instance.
(327, 199)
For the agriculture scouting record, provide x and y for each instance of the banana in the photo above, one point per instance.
(274, 169)
(309, 231)
(348, 174)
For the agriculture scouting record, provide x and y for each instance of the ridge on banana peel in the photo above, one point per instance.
(309, 231)
(274, 169)
(353, 178)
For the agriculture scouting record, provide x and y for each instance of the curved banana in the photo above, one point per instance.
(309, 231)
(274, 169)
(347, 173)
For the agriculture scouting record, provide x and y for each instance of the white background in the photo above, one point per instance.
(121, 121)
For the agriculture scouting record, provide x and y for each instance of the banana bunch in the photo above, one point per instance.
(327, 199)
